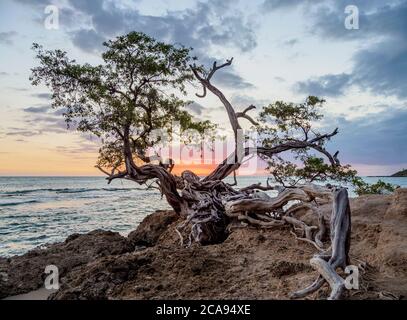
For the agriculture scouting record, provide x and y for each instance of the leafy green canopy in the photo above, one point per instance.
(124, 99)
(281, 123)
(380, 187)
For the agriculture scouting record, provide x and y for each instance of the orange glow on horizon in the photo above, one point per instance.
(198, 169)
(32, 159)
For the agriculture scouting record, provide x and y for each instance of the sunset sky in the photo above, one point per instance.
(283, 50)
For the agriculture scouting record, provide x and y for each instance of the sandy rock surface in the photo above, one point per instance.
(250, 264)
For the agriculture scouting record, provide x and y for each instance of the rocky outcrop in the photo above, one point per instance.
(152, 227)
(402, 173)
(21, 274)
(392, 246)
(250, 264)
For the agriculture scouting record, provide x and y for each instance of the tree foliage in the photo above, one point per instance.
(281, 123)
(123, 100)
(380, 187)
(138, 89)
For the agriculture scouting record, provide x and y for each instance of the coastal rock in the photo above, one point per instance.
(152, 227)
(392, 246)
(402, 173)
(21, 274)
(249, 264)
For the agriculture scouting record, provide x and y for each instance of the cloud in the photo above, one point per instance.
(327, 6)
(42, 119)
(375, 18)
(39, 3)
(49, 123)
(22, 132)
(87, 40)
(19, 89)
(42, 109)
(7, 37)
(231, 80)
(89, 7)
(196, 108)
(43, 96)
(241, 101)
(382, 69)
(214, 22)
(3, 74)
(81, 148)
(291, 42)
(380, 66)
(330, 85)
(374, 139)
(279, 79)
(272, 5)
(208, 24)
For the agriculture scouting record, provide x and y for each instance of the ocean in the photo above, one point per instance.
(35, 211)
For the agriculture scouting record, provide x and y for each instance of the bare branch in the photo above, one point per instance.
(326, 264)
(112, 176)
(247, 117)
(216, 68)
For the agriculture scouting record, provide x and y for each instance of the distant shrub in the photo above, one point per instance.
(380, 187)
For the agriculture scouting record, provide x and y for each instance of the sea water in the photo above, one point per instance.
(36, 211)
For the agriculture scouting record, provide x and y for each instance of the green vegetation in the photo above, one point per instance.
(402, 173)
(136, 90)
(380, 187)
(139, 88)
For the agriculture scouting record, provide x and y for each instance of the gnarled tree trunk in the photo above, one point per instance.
(327, 263)
(212, 207)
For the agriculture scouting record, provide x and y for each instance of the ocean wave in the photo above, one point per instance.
(17, 216)
(95, 189)
(64, 190)
(11, 204)
(35, 238)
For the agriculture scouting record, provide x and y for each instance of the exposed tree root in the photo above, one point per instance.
(326, 264)
(270, 212)
(212, 208)
(124, 100)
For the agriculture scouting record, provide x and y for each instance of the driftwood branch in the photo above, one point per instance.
(246, 116)
(326, 264)
(212, 208)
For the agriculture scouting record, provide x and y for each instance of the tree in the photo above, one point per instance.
(380, 187)
(136, 90)
(123, 101)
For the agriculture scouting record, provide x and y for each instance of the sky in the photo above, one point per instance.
(283, 50)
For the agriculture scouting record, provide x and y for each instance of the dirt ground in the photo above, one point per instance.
(250, 264)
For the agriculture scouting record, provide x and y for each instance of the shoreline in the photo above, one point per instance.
(251, 264)
(35, 295)
(67, 206)
(385, 177)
